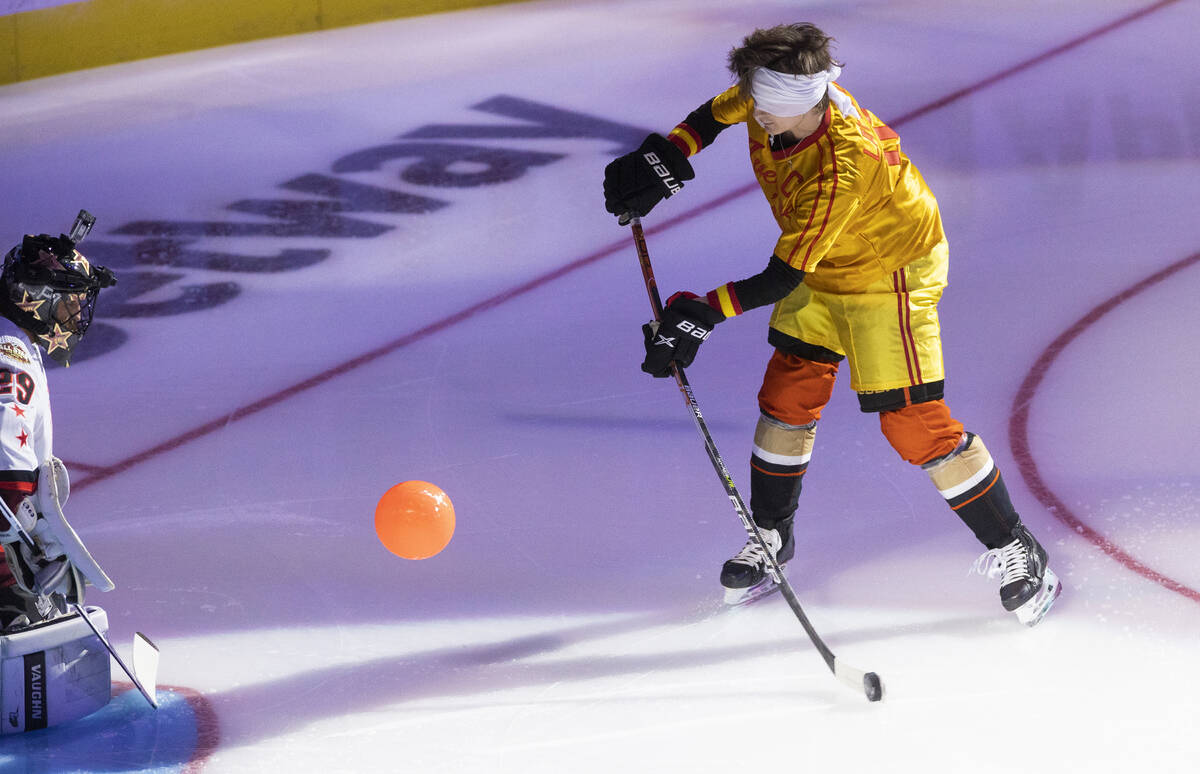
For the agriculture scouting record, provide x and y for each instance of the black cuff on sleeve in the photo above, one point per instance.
(768, 286)
(702, 121)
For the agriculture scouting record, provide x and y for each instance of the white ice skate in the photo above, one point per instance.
(745, 576)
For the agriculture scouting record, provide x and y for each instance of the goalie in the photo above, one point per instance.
(53, 667)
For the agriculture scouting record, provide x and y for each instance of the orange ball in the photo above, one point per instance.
(414, 519)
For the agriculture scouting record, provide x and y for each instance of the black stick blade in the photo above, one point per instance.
(872, 686)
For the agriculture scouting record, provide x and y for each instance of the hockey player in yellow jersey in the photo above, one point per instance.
(854, 278)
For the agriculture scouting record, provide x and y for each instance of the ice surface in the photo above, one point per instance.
(489, 343)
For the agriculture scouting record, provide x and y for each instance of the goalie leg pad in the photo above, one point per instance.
(53, 673)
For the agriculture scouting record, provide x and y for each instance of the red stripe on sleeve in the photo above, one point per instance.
(685, 127)
(679, 143)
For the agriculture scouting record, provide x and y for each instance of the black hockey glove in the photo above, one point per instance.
(686, 321)
(637, 181)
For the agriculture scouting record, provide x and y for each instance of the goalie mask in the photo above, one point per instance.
(48, 288)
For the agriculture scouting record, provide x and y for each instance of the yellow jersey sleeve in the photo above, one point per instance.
(730, 107)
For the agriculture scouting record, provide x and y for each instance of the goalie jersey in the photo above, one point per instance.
(25, 426)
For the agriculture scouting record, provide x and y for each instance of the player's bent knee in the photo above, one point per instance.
(921, 432)
(53, 673)
(796, 389)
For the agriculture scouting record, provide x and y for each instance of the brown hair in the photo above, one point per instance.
(796, 49)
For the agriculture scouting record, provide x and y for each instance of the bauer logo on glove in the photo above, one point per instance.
(686, 322)
(637, 181)
(664, 173)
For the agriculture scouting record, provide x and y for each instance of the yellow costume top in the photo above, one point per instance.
(851, 207)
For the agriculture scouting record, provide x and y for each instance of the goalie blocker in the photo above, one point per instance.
(53, 673)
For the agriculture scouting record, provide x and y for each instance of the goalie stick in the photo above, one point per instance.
(867, 682)
(144, 673)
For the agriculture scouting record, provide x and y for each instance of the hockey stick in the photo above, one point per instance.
(145, 658)
(867, 682)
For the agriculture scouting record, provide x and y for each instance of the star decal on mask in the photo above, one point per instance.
(83, 264)
(29, 305)
(57, 340)
(23, 437)
(18, 410)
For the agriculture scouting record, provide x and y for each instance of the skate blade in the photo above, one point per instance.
(739, 597)
(1035, 609)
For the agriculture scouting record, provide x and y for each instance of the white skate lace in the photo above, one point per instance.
(752, 553)
(1010, 562)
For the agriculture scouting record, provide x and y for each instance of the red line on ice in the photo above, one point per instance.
(1018, 431)
(1087, 37)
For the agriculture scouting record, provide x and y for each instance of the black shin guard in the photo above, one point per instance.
(773, 496)
(988, 511)
(777, 467)
(971, 483)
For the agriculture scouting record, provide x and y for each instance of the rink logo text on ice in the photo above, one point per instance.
(440, 156)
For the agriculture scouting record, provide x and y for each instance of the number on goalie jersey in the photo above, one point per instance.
(25, 427)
